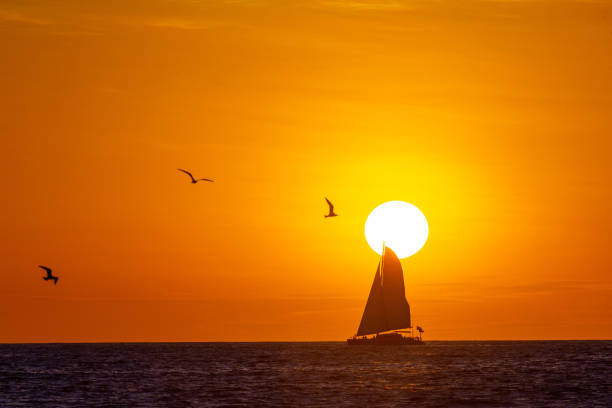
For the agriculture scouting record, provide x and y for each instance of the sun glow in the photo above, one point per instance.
(400, 225)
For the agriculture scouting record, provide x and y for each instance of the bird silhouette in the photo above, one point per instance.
(49, 274)
(194, 180)
(331, 209)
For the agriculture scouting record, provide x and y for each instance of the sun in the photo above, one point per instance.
(400, 225)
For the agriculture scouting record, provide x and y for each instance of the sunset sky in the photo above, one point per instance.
(493, 117)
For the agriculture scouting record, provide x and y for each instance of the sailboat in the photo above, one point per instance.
(387, 312)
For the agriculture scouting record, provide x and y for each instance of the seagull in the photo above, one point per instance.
(193, 180)
(49, 274)
(331, 209)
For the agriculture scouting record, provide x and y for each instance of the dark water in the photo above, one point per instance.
(439, 374)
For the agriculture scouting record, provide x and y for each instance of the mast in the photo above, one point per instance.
(382, 259)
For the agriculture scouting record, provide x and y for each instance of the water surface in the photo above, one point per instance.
(439, 374)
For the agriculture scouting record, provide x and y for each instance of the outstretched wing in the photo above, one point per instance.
(212, 181)
(331, 206)
(48, 270)
(187, 173)
(55, 279)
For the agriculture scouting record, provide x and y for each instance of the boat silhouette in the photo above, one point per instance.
(387, 312)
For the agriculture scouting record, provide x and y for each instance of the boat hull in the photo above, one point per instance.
(391, 339)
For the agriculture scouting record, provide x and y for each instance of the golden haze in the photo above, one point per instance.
(493, 117)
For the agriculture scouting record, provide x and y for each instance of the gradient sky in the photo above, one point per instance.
(493, 117)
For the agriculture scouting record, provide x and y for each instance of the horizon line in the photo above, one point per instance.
(280, 341)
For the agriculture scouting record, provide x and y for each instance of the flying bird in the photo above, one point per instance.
(331, 209)
(194, 180)
(49, 274)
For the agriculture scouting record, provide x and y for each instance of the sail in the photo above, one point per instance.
(397, 310)
(387, 308)
(374, 313)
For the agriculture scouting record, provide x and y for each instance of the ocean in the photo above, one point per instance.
(438, 374)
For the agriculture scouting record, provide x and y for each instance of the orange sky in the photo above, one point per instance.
(493, 117)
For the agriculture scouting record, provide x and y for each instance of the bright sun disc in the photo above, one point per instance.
(400, 225)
